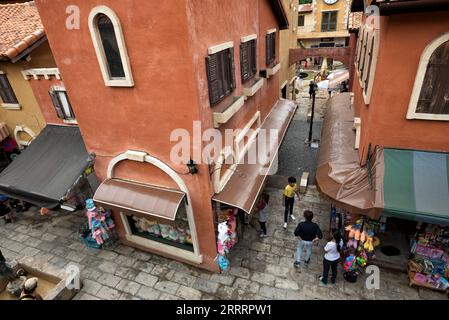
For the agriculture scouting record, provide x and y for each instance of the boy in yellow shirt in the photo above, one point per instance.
(289, 199)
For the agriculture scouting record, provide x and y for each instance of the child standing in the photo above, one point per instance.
(289, 199)
(262, 207)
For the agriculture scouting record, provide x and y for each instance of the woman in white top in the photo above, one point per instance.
(331, 258)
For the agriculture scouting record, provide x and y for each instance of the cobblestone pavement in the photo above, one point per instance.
(261, 268)
(296, 157)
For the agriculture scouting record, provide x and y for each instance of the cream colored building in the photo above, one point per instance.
(323, 23)
(288, 40)
(23, 45)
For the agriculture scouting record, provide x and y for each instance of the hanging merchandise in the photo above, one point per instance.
(227, 236)
(360, 247)
(98, 231)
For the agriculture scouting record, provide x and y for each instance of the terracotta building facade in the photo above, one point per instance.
(135, 79)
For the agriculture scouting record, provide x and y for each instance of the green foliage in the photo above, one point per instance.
(305, 1)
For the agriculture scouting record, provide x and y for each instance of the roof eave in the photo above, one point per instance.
(279, 12)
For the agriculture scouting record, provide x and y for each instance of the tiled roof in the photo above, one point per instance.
(20, 27)
(355, 20)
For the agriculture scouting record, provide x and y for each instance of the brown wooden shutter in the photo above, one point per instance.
(254, 56)
(370, 60)
(244, 61)
(57, 104)
(212, 78)
(6, 92)
(267, 49)
(232, 67)
(434, 96)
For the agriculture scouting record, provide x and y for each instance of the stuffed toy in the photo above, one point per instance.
(223, 235)
(223, 263)
(369, 242)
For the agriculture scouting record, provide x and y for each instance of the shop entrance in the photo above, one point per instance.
(394, 249)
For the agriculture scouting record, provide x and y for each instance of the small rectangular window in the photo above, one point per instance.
(248, 60)
(62, 104)
(220, 75)
(6, 93)
(329, 21)
(270, 48)
(301, 20)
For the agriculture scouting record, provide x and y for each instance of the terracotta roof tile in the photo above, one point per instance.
(20, 27)
(355, 20)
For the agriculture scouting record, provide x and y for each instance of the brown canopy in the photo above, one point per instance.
(247, 182)
(339, 174)
(139, 199)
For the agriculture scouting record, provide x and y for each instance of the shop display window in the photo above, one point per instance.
(176, 234)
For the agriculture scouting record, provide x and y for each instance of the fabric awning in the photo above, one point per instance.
(407, 184)
(339, 174)
(247, 182)
(139, 199)
(416, 185)
(44, 172)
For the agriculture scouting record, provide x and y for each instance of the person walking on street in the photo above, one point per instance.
(331, 258)
(289, 199)
(308, 232)
(262, 207)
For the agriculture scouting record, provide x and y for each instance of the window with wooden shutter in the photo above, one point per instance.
(329, 21)
(270, 48)
(434, 95)
(6, 93)
(248, 64)
(359, 46)
(220, 75)
(363, 53)
(62, 104)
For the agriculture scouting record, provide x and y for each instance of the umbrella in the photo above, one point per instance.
(333, 83)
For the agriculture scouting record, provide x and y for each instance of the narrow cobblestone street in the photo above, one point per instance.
(260, 269)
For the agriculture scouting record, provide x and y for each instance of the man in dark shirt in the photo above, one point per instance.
(308, 232)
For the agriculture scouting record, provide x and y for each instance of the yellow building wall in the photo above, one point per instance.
(287, 41)
(341, 6)
(312, 28)
(30, 114)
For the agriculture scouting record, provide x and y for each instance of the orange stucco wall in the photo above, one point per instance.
(167, 44)
(384, 123)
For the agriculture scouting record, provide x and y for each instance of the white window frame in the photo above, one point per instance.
(67, 121)
(373, 40)
(10, 106)
(420, 75)
(139, 156)
(127, 81)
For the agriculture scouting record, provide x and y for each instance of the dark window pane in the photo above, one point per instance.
(301, 20)
(6, 93)
(434, 95)
(270, 48)
(110, 46)
(329, 21)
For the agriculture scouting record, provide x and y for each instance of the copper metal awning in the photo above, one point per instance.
(339, 174)
(247, 182)
(139, 199)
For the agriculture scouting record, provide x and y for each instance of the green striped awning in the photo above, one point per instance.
(416, 185)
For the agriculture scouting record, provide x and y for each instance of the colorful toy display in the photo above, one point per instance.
(429, 266)
(98, 230)
(227, 236)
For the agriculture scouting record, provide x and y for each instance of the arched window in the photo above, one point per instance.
(110, 47)
(430, 97)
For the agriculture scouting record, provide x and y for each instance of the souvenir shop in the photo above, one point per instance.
(419, 248)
